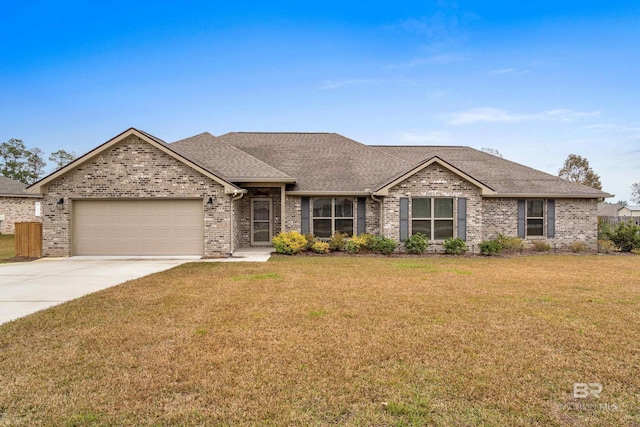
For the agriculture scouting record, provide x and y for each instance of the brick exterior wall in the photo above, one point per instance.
(434, 181)
(133, 169)
(17, 209)
(372, 219)
(499, 216)
(293, 209)
(576, 221)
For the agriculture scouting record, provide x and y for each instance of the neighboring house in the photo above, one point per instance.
(206, 195)
(629, 211)
(16, 205)
(608, 209)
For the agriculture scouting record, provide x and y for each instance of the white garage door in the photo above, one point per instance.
(138, 227)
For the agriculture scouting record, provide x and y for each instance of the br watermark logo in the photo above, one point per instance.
(584, 390)
(587, 397)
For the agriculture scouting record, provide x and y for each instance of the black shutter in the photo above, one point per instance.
(522, 207)
(304, 217)
(551, 218)
(462, 218)
(404, 219)
(362, 216)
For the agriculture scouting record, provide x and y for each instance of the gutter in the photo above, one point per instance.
(236, 195)
(381, 213)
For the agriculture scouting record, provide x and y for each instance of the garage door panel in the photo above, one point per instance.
(142, 227)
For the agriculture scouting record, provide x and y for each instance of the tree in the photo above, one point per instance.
(34, 164)
(13, 154)
(635, 192)
(61, 157)
(491, 151)
(576, 169)
(622, 203)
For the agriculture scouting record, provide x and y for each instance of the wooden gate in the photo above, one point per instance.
(29, 239)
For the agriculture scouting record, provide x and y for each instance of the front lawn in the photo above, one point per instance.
(7, 247)
(313, 341)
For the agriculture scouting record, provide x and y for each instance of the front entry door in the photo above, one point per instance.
(261, 209)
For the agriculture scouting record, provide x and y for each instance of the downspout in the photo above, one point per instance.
(236, 195)
(381, 213)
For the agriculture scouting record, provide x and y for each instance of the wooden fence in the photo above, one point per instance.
(613, 220)
(29, 239)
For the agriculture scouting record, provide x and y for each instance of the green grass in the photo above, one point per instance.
(7, 247)
(312, 341)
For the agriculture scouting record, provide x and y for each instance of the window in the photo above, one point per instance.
(432, 217)
(535, 217)
(332, 216)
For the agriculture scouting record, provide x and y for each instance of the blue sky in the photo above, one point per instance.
(536, 81)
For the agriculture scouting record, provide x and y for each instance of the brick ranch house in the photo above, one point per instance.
(206, 195)
(16, 205)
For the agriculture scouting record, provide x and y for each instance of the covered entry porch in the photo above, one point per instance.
(259, 215)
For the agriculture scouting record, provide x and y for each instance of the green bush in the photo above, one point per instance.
(381, 244)
(455, 246)
(320, 247)
(540, 245)
(289, 243)
(311, 239)
(490, 247)
(510, 243)
(626, 236)
(356, 243)
(577, 247)
(338, 241)
(417, 243)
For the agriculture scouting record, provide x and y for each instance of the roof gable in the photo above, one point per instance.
(155, 142)
(384, 189)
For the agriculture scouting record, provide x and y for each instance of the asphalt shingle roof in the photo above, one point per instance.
(329, 162)
(501, 175)
(320, 161)
(225, 160)
(10, 186)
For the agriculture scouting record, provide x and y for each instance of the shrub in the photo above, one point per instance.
(604, 229)
(577, 247)
(320, 247)
(626, 236)
(490, 247)
(381, 244)
(540, 245)
(337, 241)
(510, 243)
(311, 239)
(356, 243)
(416, 244)
(289, 243)
(605, 246)
(455, 246)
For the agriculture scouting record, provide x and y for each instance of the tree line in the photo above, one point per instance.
(27, 165)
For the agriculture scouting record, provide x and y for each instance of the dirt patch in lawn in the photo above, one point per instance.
(337, 341)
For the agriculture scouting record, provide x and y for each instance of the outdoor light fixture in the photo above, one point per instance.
(60, 203)
(210, 202)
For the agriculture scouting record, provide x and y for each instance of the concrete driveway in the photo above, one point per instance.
(32, 286)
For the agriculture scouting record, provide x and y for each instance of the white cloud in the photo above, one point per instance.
(445, 58)
(338, 84)
(432, 138)
(503, 71)
(497, 115)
